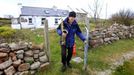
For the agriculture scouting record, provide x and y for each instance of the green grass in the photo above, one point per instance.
(126, 69)
(98, 58)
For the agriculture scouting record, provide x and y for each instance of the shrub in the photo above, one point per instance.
(6, 32)
(124, 17)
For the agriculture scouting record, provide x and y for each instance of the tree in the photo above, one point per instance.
(96, 9)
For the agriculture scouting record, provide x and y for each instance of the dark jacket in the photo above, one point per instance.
(72, 30)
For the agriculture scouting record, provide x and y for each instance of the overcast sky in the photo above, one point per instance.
(10, 7)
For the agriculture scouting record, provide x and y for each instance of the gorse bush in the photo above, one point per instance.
(124, 17)
(6, 32)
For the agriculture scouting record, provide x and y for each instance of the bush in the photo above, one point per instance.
(6, 32)
(124, 17)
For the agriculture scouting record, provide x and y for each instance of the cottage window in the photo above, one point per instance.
(23, 20)
(56, 20)
(30, 20)
(42, 21)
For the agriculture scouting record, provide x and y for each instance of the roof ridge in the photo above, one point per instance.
(42, 7)
(30, 10)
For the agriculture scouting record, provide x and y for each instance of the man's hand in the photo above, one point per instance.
(64, 35)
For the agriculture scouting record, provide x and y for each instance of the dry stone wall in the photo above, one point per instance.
(111, 34)
(22, 59)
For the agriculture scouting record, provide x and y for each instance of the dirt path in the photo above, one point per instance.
(125, 57)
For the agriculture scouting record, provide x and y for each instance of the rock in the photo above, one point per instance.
(13, 56)
(36, 51)
(23, 45)
(41, 53)
(44, 66)
(10, 70)
(99, 41)
(19, 46)
(114, 38)
(20, 56)
(43, 58)
(25, 73)
(33, 72)
(36, 56)
(4, 45)
(35, 65)
(13, 46)
(5, 64)
(1, 72)
(113, 35)
(29, 59)
(106, 39)
(17, 63)
(5, 50)
(36, 60)
(17, 73)
(92, 43)
(3, 59)
(37, 47)
(24, 67)
(29, 53)
(3, 55)
(20, 52)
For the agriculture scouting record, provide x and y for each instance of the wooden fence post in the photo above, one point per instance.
(46, 39)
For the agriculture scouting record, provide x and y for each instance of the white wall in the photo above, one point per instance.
(51, 22)
(26, 24)
(15, 24)
(37, 22)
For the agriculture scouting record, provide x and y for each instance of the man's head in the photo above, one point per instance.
(72, 16)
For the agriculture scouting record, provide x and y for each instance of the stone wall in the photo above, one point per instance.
(111, 34)
(22, 58)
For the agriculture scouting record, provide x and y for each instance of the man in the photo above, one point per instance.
(72, 28)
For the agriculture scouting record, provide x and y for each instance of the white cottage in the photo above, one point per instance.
(33, 17)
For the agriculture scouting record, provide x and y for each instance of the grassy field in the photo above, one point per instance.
(98, 58)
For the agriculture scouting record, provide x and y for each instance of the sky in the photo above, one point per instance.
(10, 7)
